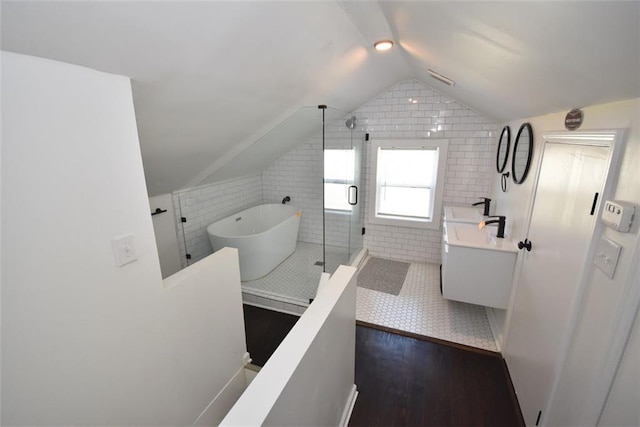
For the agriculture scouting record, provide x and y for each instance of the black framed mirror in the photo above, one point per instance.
(522, 152)
(503, 149)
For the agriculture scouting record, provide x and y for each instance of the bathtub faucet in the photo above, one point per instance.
(286, 199)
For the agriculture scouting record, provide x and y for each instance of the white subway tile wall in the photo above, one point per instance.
(408, 110)
(204, 205)
(299, 174)
(393, 114)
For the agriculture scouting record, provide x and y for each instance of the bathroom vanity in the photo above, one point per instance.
(477, 267)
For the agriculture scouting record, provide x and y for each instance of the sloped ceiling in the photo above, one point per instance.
(211, 79)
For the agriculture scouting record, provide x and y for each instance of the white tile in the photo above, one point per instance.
(295, 281)
(421, 309)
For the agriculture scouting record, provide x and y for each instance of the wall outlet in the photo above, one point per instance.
(124, 250)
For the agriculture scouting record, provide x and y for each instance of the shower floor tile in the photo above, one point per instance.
(421, 309)
(295, 281)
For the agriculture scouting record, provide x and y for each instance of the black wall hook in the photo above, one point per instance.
(503, 181)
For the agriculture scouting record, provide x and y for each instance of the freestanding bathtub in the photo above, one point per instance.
(264, 235)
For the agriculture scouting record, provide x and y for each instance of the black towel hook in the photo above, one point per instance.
(503, 183)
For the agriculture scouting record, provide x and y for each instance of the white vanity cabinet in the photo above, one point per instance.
(477, 267)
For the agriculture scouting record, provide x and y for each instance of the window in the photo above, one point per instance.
(338, 176)
(409, 181)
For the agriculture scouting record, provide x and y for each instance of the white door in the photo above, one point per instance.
(561, 228)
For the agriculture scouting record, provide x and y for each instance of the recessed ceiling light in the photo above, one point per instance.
(383, 45)
(440, 77)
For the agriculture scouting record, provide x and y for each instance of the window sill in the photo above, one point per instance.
(408, 223)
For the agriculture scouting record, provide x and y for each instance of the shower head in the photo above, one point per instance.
(351, 123)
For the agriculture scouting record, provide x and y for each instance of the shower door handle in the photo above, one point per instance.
(355, 195)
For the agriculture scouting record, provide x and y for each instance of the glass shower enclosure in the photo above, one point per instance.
(313, 158)
(343, 215)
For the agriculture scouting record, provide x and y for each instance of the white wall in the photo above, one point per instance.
(164, 227)
(622, 405)
(83, 341)
(597, 320)
(309, 380)
(473, 141)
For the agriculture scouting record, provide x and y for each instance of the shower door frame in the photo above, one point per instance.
(354, 192)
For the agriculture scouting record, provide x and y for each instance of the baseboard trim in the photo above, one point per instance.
(266, 307)
(348, 409)
(495, 330)
(427, 338)
(217, 409)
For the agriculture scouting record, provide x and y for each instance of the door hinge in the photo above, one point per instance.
(363, 230)
(366, 136)
(183, 219)
(188, 256)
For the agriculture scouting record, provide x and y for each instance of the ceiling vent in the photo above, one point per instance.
(441, 78)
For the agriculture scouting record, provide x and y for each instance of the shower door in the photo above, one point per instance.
(355, 197)
(343, 216)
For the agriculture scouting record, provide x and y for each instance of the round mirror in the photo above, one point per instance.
(503, 149)
(522, 150)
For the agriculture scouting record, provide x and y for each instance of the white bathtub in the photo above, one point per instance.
(264, 235)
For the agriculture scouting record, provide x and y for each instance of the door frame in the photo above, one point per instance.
(613, 140)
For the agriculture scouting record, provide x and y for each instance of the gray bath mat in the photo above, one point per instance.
(383, 275)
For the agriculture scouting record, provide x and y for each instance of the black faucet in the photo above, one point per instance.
(286, 199)
(501, 221)
(486, 202)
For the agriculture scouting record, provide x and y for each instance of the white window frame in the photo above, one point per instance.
(442, 145)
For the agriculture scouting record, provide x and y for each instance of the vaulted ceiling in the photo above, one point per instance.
(210, 78)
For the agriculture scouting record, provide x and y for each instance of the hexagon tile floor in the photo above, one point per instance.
(421, 309)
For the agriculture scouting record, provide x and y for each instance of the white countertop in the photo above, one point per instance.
(468, 235)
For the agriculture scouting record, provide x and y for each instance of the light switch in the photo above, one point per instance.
(124, 250)
(607, 253)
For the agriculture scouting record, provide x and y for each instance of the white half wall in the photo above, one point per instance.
(85, 342)
(309, 380)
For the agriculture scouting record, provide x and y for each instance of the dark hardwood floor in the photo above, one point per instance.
(405, 381)
(265, 330)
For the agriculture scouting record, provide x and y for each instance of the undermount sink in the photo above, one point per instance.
(466, 234)
(462, 214)
(473, 235)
